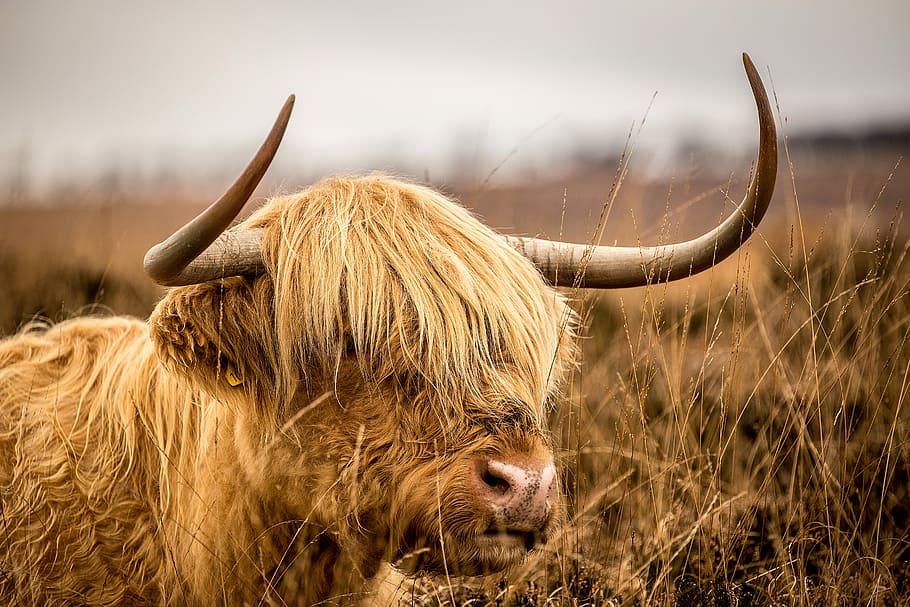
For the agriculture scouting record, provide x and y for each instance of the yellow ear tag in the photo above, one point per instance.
(232, 377)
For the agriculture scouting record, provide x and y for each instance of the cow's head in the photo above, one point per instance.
(390, 359)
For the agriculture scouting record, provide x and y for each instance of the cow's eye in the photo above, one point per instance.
(520, 417)
(515, 416)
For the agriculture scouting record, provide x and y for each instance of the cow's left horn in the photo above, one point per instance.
(186, 257)
(605, 267)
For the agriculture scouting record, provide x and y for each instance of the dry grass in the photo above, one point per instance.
(752, 435)
(738, 439)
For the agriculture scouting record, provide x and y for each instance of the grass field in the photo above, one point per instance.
(741, 438)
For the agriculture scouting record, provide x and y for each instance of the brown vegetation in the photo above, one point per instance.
(738, 439)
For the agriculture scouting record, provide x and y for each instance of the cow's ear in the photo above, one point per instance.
(219, 335)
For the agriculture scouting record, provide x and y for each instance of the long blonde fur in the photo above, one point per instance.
(392, 341)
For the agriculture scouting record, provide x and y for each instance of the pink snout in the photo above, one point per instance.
(521, 494)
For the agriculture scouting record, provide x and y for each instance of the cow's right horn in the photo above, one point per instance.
(201, 250)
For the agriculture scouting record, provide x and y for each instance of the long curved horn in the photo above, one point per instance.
(186, 257)
(606, 267)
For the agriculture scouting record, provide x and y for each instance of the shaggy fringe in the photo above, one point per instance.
(414, 285)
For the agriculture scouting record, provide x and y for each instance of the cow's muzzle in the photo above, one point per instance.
(519, 493)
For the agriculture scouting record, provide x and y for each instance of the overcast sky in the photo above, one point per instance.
(93, 85)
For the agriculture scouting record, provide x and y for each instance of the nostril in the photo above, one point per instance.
(497, 483)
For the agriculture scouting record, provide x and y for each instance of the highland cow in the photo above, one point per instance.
(357, 374)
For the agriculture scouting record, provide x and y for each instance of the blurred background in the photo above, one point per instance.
(164, 90)
(122, 119)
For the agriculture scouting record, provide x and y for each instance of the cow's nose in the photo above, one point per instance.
(520, 494)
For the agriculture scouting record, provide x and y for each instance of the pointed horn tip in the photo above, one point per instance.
(285, 114)
(760, 94)
(751, 70)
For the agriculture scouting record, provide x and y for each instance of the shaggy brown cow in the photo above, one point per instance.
(357, 374)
